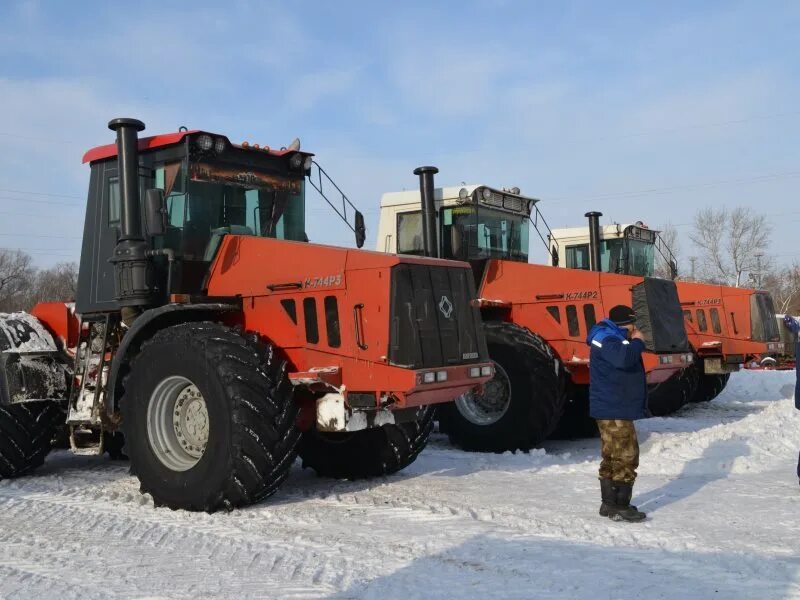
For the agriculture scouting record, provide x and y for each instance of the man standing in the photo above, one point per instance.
(617, 397)
(793, 326)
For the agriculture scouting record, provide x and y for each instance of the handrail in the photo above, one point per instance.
(554, 252)
(319, 185)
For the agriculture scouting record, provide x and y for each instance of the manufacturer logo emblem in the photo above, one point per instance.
(446, 307)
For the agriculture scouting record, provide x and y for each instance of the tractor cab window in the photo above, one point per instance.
(210, 202)
(578, 257)
(641, 258)
(409, 233)
(470, 233)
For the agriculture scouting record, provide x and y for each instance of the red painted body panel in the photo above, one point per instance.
(530, 289)
(60, 320)
(733, 306)
(245, 266)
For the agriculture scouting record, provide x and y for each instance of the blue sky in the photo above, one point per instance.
(643, 110)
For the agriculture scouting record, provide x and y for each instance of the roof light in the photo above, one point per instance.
(296, 161)
(487, 194)
(462, 194)
(245, 144)
(256, 146)
(220, 144)
(307, 163)
(205, 143)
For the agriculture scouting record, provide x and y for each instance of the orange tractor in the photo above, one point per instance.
(727, 326)
(209, 332)
(536, 317)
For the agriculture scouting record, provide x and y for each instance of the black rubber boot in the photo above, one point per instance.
(609, 496)
(624, 511)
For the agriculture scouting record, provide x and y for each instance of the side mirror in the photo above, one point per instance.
(554, 254)
(155, 211)
(673, 269)
(361, 230)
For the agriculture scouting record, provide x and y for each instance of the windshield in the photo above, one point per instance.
(641, 258)
(618, 255)
(212, 201)
(470, 232)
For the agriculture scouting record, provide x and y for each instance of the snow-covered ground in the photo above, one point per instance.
(718, 481)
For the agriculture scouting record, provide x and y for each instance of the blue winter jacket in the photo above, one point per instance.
(617, 382)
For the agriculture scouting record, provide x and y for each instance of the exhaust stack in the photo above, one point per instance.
(134, 277)
(594, 240)
(429, 241)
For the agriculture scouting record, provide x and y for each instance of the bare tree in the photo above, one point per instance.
(668, 249)
(58, 283)
(16, 275)
(729, 241)
(784, 286)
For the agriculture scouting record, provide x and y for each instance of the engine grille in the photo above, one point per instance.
(433, 323)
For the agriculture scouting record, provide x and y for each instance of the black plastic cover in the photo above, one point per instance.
(659, 316)
(433, 323)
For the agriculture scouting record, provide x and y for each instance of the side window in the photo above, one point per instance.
(572, 320)
(169, 178)
(701, 320)
(578, 257)
(114, 202)
(589, 316)
(409, 233)
(688, 316)
(332, 321)
(555, 313)
(310, 317)
(716, 325)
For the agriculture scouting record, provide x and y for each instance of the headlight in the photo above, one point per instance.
(219, 145)
(429, 377)
(474, 371)
(486, 371)
(205, 143)
(665, 360)
(441, 375)
(308, 162)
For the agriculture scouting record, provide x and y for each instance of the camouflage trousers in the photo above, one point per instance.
(619, 450)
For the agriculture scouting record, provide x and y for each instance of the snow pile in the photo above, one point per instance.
(717, 480)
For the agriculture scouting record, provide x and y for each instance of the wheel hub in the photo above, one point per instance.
(490, 406)
(178, 424)
(190, 421)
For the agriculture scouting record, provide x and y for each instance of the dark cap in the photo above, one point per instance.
(622, 315)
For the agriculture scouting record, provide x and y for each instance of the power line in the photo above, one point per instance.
(27, 192)
(38, 201)
(666, 190)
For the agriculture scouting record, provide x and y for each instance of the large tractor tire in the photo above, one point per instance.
(208, 417)
(520, 406)
(667, 397)
(26, 436)
(709, 387)
(368, 453)
(576, 423)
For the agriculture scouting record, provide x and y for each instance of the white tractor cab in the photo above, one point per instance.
(474, 222)
(629, 249)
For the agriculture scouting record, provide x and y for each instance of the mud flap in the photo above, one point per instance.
(30, 376)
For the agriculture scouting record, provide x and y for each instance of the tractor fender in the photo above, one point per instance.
(146, 324)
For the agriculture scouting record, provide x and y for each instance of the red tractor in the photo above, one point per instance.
(727, 326)
(209, 332)
(536, 317)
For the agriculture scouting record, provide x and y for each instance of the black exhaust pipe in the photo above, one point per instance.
(429, 243)
(594, 240)
(133, 270)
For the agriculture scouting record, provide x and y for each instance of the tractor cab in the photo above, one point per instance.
(194, 188)
(475, 223)
(626, 249)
